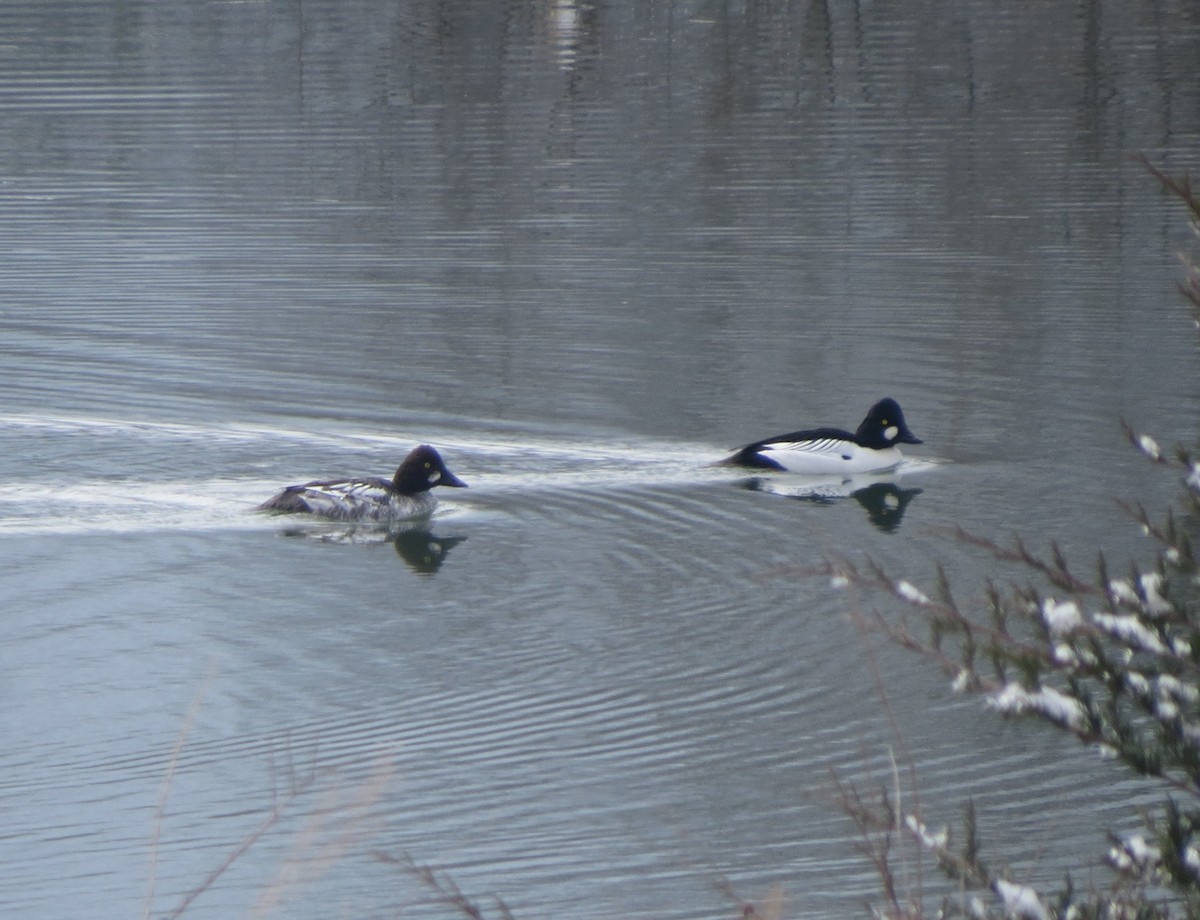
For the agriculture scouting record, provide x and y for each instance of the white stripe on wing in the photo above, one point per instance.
(818, 446)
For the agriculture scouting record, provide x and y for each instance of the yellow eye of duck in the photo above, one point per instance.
(884, 423)
(428, 464)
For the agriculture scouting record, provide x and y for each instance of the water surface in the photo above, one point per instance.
(583, 249)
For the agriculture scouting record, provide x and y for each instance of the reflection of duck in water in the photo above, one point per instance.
(882, 499)
(832, 451)
(884, 503)
(423, 552)
(406, 496)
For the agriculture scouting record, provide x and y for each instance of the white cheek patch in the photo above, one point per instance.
(434, 477)
(890, 432)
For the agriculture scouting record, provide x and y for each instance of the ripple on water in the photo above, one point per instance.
(152, 485)
(616, 677)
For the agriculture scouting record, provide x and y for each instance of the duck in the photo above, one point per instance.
(404, 497)
(833, 451)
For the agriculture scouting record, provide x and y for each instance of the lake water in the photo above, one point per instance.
(584, 249)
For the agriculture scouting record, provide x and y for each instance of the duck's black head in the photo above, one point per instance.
(884, 426)
(422, 470)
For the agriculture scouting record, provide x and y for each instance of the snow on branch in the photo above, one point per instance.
(1013, 699)
(1021, 902)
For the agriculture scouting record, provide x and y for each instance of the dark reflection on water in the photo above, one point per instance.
(417, 546)
(883, 501)
(584, 248)
(422, 551)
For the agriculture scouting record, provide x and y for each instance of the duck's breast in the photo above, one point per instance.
(825, 456)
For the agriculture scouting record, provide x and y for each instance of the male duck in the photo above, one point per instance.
(821, 451)
(406, 496)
